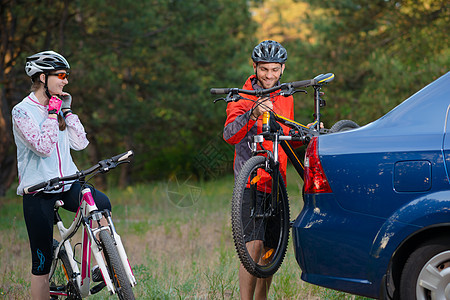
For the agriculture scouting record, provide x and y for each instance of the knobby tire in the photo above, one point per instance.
(343, 125)
(273, 254)
(116, 270)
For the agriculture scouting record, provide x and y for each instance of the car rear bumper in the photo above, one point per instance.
(325, 260)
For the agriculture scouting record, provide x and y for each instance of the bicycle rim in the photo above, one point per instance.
(260, 226)
(116, 270)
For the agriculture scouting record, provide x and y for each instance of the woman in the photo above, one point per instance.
(45, 129)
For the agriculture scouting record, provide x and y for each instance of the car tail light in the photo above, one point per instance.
(315, 179)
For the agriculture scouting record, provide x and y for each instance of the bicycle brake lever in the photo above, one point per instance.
(288, 90)
(219, 99)
(229, 98)
(232, 98)
(300, 91)
(106, 165)
(52, 185)
(122, 162)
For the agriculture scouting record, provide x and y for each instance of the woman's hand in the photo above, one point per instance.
(66, 100)
(54, 105)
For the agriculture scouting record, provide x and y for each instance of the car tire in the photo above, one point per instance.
(343, 125)
(426, 274)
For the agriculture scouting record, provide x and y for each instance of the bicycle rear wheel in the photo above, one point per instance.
(61, 280)
(260, 226)
(343, 125)
(116, 271)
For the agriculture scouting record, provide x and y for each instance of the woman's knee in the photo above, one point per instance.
(101, 200)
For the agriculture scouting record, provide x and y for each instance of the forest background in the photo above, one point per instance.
(141, 70)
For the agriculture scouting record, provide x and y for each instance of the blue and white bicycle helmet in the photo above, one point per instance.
(45, 62)
(269, 51)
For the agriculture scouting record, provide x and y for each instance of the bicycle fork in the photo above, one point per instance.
(272, 164)
(91, 242)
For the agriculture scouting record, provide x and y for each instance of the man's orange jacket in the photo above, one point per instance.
(239, 129)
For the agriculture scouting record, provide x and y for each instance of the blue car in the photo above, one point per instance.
(376, 216)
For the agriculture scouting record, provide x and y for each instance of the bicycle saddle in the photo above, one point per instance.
(324, 78)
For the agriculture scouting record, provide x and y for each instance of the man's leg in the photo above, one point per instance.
(263, 284)
(262, 287)
(247, 284)
(250, 285)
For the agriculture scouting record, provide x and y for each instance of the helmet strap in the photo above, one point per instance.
(46, 87)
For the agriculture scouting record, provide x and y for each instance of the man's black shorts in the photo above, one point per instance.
(266, 230)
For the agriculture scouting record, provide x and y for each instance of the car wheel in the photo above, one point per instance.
(426, 274)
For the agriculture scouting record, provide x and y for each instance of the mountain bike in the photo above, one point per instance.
(113, 269)
(260, 199)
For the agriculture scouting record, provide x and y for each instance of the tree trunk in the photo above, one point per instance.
(7, 149)
(94, 157)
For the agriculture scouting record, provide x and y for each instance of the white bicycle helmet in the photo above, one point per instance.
(44, 62)
(269, 51)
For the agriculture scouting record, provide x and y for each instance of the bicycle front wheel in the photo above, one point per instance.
(116, 271)
(259, 219)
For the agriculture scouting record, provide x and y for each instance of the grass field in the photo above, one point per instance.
(178, 239)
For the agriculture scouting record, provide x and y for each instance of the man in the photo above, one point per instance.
(244, 120)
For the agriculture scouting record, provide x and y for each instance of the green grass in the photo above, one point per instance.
(179, 247)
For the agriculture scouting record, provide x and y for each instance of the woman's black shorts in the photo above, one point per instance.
(39, 219)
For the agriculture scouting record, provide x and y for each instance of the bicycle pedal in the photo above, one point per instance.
(96, 274)
(98, 288)
(57, 288)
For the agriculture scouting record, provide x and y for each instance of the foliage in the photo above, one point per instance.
(380, 51)
(284, 20)
(158, 60)
(141, 70)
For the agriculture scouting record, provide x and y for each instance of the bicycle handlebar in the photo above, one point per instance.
(261, 92)
(318, 80)
(103, 166)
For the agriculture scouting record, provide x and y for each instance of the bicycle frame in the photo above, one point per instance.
(88, 213)
(283, 140)
(277, 139)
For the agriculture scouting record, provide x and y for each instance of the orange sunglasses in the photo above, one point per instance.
(61, 76)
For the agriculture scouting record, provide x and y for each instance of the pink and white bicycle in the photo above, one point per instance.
(113, 269)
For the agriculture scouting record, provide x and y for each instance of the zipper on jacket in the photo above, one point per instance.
(59, 165)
